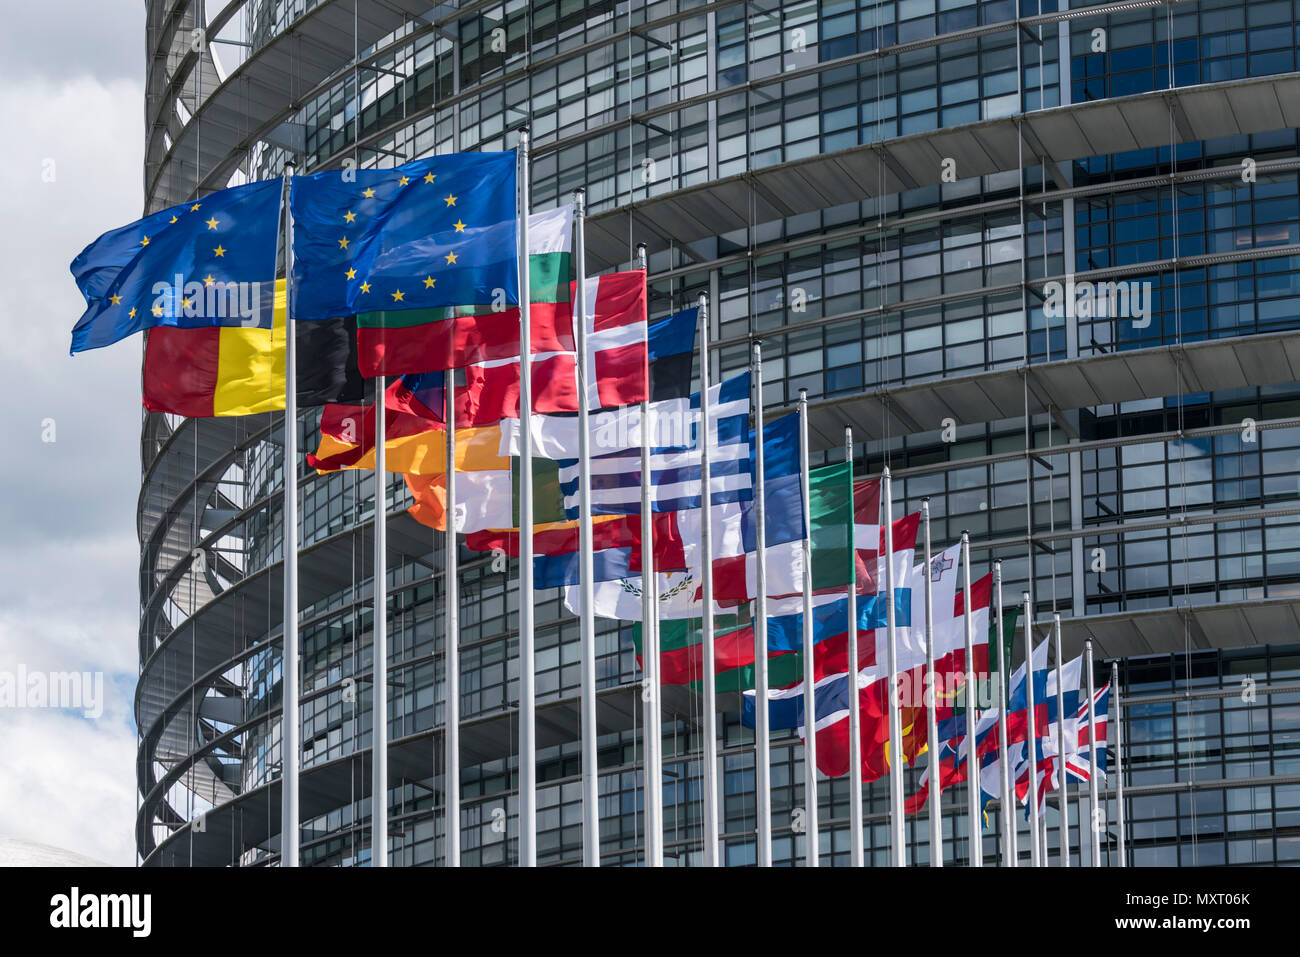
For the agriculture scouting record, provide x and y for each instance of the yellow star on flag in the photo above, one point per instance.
(115, 299)
(450, 200)
(451, 259)
(430, 177)
(352, 274)
(212, 223)
(219, 251)
(208, 280)
(399, 296)
(403, 181)
(195, 206)
(460, 227)
(157, 310)
(368, 193)
(131, 314)
(173, 219)
(365, 287)
(349, 216)
(145, 241)
(343, 243)
(429, 281)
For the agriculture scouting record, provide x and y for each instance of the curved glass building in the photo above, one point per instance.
(1041, 256)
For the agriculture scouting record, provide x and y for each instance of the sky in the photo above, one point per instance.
(72, 107)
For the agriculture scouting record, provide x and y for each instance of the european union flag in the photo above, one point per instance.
(439, 231)
(210, 262)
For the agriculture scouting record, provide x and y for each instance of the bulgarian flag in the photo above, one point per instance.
(393, 342)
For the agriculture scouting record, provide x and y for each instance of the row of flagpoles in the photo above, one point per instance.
(1056, 754)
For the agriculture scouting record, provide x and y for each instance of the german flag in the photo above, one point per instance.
(222, 371)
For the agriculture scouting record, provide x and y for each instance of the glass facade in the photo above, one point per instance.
(1180, 499)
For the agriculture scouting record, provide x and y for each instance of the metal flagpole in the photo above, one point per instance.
(762, 730)
(289, 756)
(812, 834)
(710, 756)
(586, 560)
(1119, 762)
(527, 677)
(896, 823)
(451, 597)
(1007, 803)
(855, 704)
(931, 709)
(1031, 737)
(379, 647)
(1094, 845)
(1063, 794)
(651, 695)
(974, 819)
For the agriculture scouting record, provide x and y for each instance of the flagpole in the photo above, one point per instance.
(1007, 804)
(812, 834)
(586, 560)
(762, 730)
(379, 646)
(1119, 762)
(1063, 795)
(289, 756)
(1094, 845)
(896, 823)
(931, 710)
(1031, 737)
(975, 832)
(710, 756)
(527, 677)
(451, 599)
(651, 695)
(855, 703)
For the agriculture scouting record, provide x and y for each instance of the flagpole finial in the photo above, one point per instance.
(579, 199)
(703, 300)
(884, 472)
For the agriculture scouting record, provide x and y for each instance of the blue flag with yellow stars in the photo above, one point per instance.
(435, 232)
(209, 262)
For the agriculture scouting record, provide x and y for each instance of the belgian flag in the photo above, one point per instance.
(222, 371)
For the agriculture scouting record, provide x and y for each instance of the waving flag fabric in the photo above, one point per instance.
(487, 499)
(210, 262)
(395, 341)
(616, 547)
(674, 471)
(616, 344)
(953, 768)
(413, 444)
(682, 655)
(439, 231)
(227, 370)
(670, 347)
(1078, 764)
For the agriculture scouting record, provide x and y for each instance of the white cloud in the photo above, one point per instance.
(68, 555)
